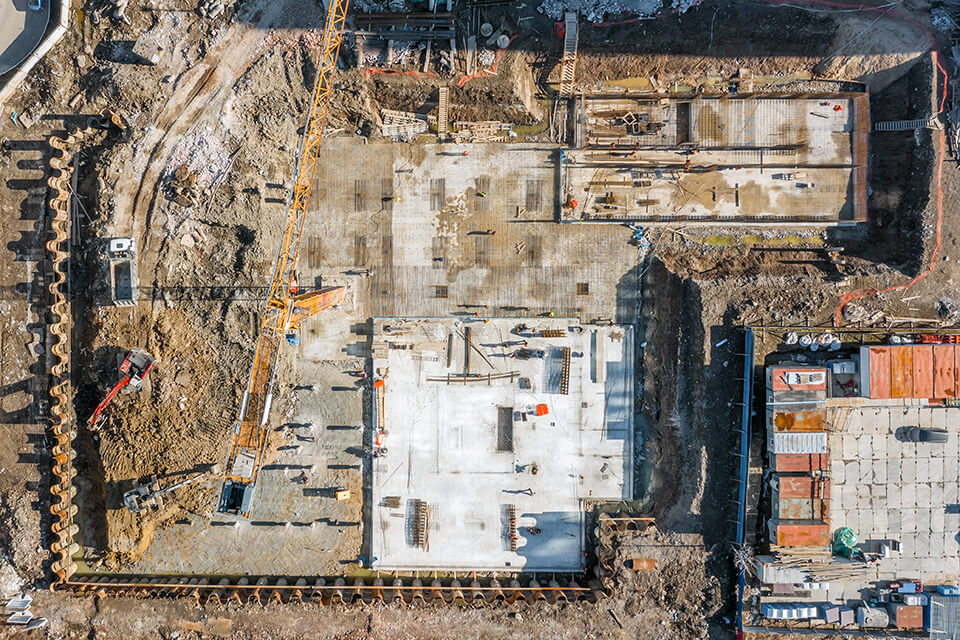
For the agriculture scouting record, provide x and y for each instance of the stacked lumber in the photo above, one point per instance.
(822, 565)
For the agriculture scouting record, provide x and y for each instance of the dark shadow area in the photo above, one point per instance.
(901, 167)
(713, 29)
(119, 51)
(550, 541)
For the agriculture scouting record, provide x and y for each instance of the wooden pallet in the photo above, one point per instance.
(421, 523)
(565, 372)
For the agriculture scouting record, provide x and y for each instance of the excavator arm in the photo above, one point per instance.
(284, 310)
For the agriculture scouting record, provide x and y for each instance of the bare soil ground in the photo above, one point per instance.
(226, 102)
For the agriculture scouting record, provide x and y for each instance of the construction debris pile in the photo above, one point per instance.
(401, 38)
(210, 8)
(595, 11)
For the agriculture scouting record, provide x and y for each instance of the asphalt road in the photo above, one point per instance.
(20, 31)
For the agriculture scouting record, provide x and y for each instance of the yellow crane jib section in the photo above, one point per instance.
(283, 309)
(311, 303)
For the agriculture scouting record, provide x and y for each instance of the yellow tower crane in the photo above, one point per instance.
(285, 309)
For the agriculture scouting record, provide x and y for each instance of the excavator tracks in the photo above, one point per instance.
(62, 425)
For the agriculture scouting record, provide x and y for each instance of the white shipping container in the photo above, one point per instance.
(787, 442)
(789, 611)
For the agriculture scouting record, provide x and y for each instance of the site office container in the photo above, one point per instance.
(799, 533)
(799, 462)
(795, 377)
(905, 616)
(800, 497)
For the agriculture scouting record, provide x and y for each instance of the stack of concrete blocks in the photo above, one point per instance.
(837, 614)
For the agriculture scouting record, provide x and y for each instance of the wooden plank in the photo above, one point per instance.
(643, 564)
(956, 371)
(922, 370)
(901, 372)
(944, 371)
(880, 372)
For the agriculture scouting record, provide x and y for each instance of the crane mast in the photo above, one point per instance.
(284, 310)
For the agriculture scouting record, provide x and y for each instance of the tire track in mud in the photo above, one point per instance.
(199, 94)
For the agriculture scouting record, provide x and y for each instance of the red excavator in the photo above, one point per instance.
(133, 370)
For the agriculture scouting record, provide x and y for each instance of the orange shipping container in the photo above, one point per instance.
(879, 372)
(803, 487)
(799, 533)
(798, 379)
(906, 616)
(901, 373)
(944, 371)
(800, 421)
(922, 371)
(799, 462)
(643, 564)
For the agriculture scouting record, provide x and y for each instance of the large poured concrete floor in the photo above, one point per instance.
(467, 447)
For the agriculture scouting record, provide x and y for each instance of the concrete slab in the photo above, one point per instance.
(849, 446)
(851, 472)
(411, 217)
(717, 160)
(297, 528)
(461, 448)
(914, 493)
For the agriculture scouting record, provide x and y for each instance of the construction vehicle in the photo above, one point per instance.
(286, 308)
(150, 495)
(133, 369)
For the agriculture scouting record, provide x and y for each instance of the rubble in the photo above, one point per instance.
(595, 11)
(212, 9)
(682, 6)
(941, 20)
(10, 583)
(485, 57)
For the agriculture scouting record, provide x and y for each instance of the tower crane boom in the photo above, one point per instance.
(285, 310)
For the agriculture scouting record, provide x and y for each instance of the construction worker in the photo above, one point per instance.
(481, 194)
